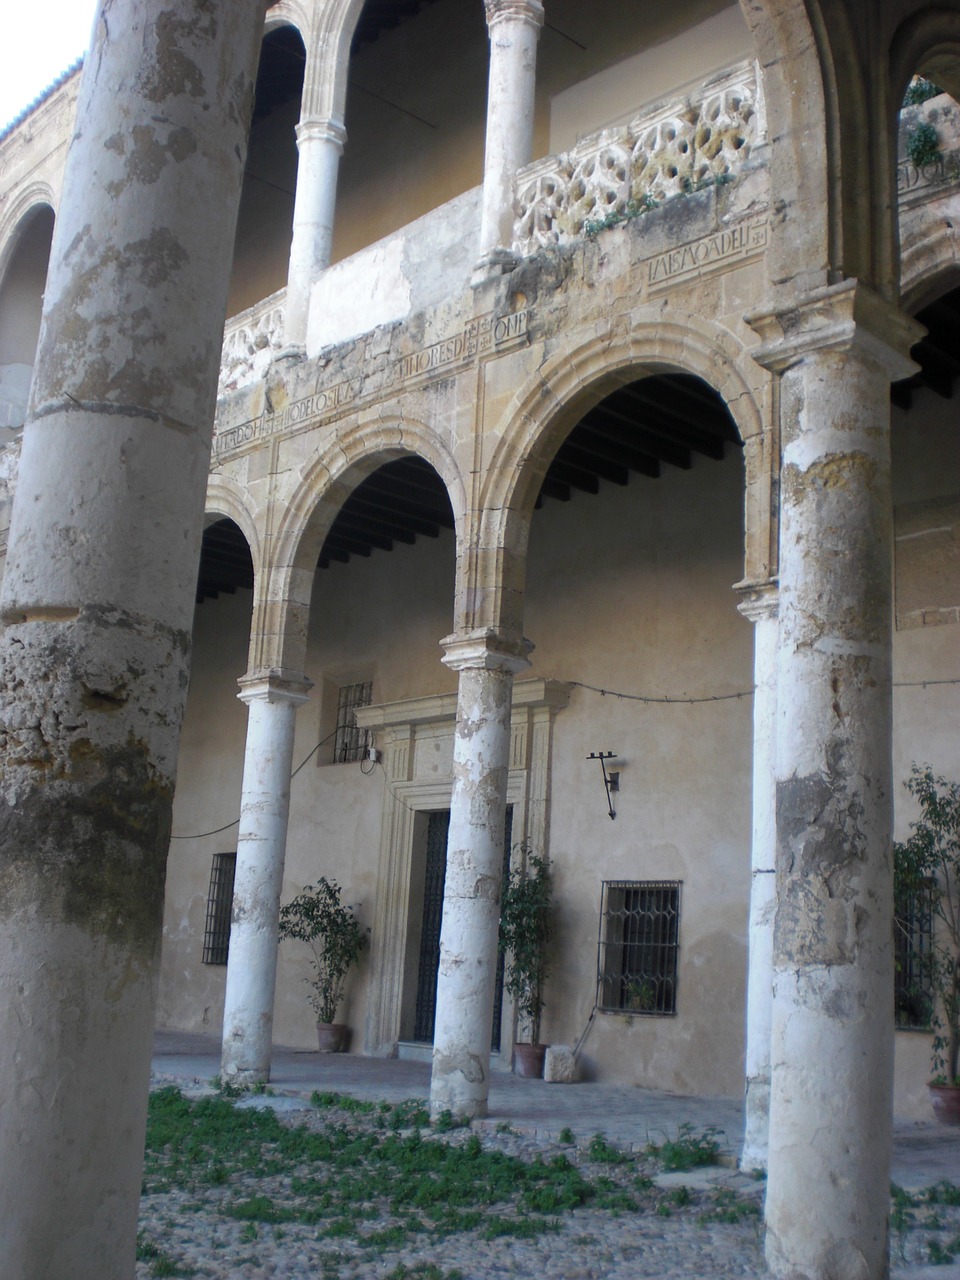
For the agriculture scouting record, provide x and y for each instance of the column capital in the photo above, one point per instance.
(845, 317)
(318, 129)
(486, 650)
(274, 686)
(528, 11)
(758, 600)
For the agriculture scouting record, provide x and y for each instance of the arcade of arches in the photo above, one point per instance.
(579, 393)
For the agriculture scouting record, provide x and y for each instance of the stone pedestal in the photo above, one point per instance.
(759, 604)
(272, 703)
(832, 1028)
(514, 27)
(320, 144)
(471, 898)
(97, 609)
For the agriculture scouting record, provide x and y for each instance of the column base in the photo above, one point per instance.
(244, 1077)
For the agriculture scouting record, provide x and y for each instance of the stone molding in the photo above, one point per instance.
(759, 600)
(316, 129)
(274, 687)
(670, 151)
(503, 11)
(486, 651)
(842, 317)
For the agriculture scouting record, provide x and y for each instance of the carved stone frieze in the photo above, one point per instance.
(250, 342)
(657, 156)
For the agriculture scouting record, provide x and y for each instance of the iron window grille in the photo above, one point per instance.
(639, 946)
(216, 932)
(913, 942)
(350, 742)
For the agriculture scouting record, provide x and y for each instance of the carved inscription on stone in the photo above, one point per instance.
(722, 249)
(484, 336)
(480, 336)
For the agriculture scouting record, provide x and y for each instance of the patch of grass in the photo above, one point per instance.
(728, 1206)
(940, 1254)
(688, 1150)
(603, 1152)
(566, 1137)
(342, 1102)
(941, 1193)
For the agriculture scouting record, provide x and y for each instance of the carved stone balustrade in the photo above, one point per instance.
(665, 152)
(250, 341)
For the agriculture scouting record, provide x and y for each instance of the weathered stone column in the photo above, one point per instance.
(97, 609)
(759, 604)
(487, 664)
(514, 27)
(272, 703)
(320, 144)
(832, 1033)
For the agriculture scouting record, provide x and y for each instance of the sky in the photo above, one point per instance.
(39, 42)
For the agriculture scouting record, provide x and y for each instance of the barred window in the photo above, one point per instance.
(912, 937)
(216, 933)
(350, 743)
(639, 946)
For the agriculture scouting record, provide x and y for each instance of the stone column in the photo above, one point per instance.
(320, 144)
(97, 609)
(272, 703)
(514, 27)
(487, 664)
(832, 1030)
(759, 604)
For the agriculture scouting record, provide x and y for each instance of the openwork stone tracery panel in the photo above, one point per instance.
(661, 154)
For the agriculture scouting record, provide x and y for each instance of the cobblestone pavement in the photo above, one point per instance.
(691, 1225)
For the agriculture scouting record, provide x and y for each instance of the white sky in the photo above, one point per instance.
(39, 42)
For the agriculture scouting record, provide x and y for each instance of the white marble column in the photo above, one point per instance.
(828, 1181)
(514, 27)
(272, 703)
(486, 664)
(97, 609)
(759, 604)
(320, 144)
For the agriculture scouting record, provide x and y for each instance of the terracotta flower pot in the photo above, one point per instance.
(946, 1102)
(332, 1037)
(528, 1060)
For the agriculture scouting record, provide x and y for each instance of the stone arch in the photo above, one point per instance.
(25, 263)
(281, 608)
(290, 13)
(929, 43)
(545, 410)
(325, 91)
(226, 498)
(801, 249)
(37, 196)
(930, 265)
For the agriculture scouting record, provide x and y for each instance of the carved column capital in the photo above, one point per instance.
(845, 318)
(274, 686)
(316, 129)
(486, 650)
(528, 11)
(758, 600)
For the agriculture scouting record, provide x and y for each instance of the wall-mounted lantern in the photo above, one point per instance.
(611, 780)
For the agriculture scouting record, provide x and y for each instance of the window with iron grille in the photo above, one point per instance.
(639, 946)
(350, 743)
(912, 937)
(216, 932)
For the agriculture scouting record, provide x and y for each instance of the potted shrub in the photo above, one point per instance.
(928, 865)
(318, 917)
(524, 933)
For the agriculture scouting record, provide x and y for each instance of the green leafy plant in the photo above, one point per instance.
(923, 146)
(928, 863)
(318, 917)
(525, 922)
(688, 1150)
(920, 90)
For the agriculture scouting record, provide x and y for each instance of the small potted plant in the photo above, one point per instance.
(525, 912)
(318, 917)
(927, 866)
